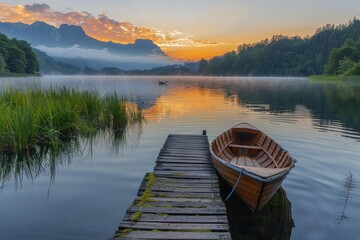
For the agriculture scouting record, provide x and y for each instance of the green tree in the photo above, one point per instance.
(2, 63)
(355, 70)
(202, 66)
(16, 61)
(18, 56)
(345, 65)
(343, 59)
(31, 61)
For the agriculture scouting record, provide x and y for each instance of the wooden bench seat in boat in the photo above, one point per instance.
(244, 146)
(263, 172)
(244, 161)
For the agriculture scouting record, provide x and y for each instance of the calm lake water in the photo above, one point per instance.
(85, 192)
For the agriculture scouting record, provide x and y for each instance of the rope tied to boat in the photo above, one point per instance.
(237, 182)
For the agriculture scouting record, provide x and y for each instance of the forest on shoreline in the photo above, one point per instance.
(332, 50)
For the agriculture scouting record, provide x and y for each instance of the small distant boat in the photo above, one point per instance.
(163, 82)
(251, 162)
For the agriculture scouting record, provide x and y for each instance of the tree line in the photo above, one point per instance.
(331, 50)
(17, 56)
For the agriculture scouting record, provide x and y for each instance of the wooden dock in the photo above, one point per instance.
(181, 198)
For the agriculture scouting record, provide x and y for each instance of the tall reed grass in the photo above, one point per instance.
(34, 118)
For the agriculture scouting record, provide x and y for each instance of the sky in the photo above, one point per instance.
(187, 29)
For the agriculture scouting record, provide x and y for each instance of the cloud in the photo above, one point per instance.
(100, 27)
(37, 7)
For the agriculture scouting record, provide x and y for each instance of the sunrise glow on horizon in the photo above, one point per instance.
(185, 30)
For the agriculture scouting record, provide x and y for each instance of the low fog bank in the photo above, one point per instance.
(98, 59)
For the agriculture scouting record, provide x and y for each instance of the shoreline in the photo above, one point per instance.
(7, 74)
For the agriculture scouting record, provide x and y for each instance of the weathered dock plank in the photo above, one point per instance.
(184, 203)
(174, 226)
(175, 235)
(181, 210)
(181, 198)
(178, 218)
(190, 195)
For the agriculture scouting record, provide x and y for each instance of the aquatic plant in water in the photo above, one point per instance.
(40, 129)
(345, 193)
(33, 118)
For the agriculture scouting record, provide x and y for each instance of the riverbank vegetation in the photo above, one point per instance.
(35, 118)
(334, 78)
(345, 61)
(16, 57)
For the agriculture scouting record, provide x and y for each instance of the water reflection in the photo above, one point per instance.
(333, 105)
(187, 102)
(274, 221)
(15, 167)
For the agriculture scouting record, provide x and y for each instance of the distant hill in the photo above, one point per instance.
(71, 44)
(285, 56)
(49, 66)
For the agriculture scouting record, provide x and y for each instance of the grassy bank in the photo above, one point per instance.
(33, 118)
(9, 74)
(333, 78)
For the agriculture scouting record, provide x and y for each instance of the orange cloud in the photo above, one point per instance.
(105, 29)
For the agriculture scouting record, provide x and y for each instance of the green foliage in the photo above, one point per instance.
(47, 117)
(355, 70)
(136, 216)
(16, 60)
(345, 65)
(342, 60)
(18, 57)
(123, 233)
(146, 197)
(2, 63)
(284, 55)
(31, 62)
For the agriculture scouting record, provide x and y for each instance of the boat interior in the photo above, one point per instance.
(247, 147)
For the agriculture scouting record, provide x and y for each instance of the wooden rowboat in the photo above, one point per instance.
(251, 162)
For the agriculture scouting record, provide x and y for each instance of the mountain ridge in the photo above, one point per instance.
(41, 33)
(71, 45)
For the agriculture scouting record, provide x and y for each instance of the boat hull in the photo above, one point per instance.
(254, 192)
(261, 163)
